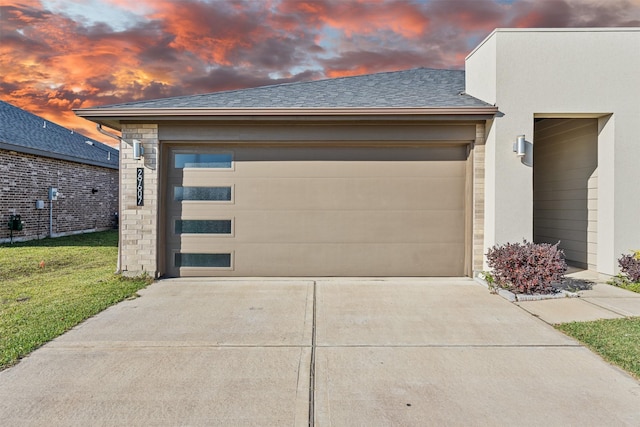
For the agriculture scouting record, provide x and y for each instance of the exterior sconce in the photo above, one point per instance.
(138, 150)
(520, 146)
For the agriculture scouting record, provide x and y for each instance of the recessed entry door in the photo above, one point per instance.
(316, 210)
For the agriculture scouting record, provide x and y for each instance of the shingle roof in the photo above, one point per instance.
(416, 88)
(27, 133)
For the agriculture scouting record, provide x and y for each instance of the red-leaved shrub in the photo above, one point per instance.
(630, 265)
(527, 268)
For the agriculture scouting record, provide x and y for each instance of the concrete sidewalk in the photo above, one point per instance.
(597, 301)
(333, 351)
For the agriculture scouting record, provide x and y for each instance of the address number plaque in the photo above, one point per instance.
(140, 187)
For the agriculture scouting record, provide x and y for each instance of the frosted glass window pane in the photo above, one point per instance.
(203, 260)
(202, 193)
(203, 160)
(204, 226)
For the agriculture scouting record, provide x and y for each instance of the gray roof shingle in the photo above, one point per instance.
(415, 88)
(27, 133)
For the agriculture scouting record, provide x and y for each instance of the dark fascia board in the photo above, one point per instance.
(51, 155)
(113, 117)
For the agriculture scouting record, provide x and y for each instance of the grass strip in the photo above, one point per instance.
(623, 281)
(49, 286)
(616, 340)
(631, 286)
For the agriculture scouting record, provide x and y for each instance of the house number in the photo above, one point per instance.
(140, 187)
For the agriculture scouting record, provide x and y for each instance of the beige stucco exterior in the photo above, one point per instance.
(561, 73)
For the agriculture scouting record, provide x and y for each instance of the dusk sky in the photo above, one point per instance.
(57, 55)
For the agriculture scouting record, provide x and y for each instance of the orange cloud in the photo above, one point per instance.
(400, 17)
(212, 33)
(354, 71)
(363, 16)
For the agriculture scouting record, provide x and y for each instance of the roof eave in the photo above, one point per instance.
(176, 113)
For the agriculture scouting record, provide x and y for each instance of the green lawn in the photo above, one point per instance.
(623, 282)
(633, 287)
(616, 340)
(76, 281)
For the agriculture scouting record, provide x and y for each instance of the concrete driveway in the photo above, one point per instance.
(349, 352)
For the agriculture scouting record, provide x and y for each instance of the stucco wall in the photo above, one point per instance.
(25, 178)
(561, 73)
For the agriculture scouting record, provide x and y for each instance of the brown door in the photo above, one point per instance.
(316, 211)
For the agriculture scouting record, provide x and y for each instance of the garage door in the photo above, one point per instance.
(315, 211)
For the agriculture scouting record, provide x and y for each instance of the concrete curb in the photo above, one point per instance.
(510, 296)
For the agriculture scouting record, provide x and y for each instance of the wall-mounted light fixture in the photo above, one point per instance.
(520, 146)
(138, 150)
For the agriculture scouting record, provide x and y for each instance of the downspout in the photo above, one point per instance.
(50, 213)
(114, 136)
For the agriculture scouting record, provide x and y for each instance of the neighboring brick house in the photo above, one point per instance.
(36, 155)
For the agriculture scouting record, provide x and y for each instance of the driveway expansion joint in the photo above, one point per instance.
(612, 310)
(177, 344)
(312, 364)
(451, 346)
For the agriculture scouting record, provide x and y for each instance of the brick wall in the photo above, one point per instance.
(478, 198)
(139, 224)
(25, 178)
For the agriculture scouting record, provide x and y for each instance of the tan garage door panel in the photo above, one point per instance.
(368, 193)
(340, 259)
(335, 227)
(320, 211)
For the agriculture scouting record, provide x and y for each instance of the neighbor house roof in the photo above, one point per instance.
(24, 132)
(417, 91)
